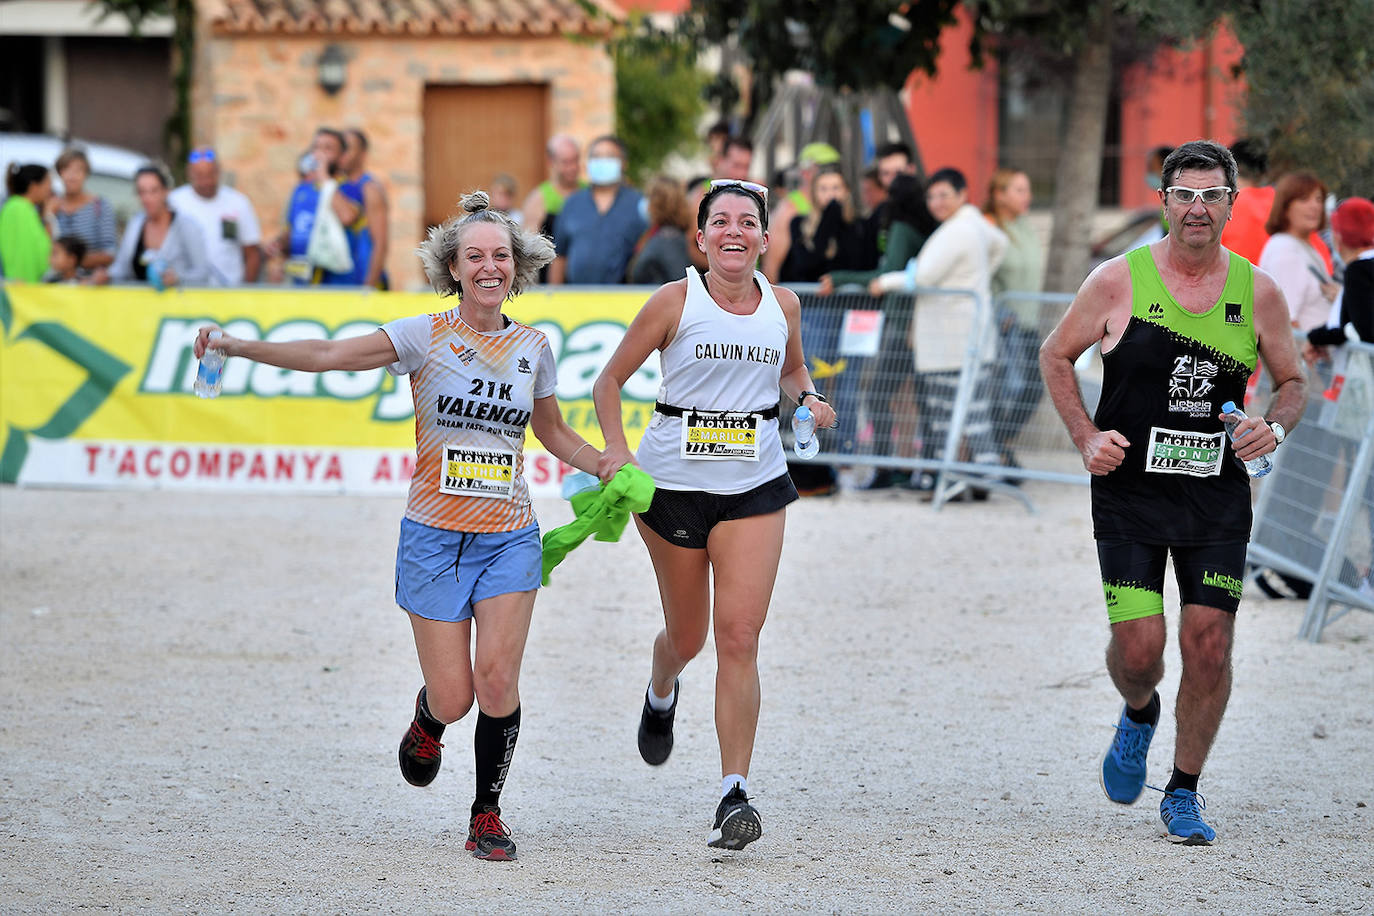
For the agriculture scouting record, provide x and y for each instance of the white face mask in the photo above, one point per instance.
(603, 170)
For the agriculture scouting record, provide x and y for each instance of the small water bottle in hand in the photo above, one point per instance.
(804, 432)
(1255, 467)
(210, 375)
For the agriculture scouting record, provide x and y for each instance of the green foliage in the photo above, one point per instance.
(866, 45)
(1310, 71)
(658, 95)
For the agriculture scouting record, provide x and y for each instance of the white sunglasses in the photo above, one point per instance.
(1186, 196)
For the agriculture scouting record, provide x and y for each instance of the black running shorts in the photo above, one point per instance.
(1133, 576)
(685, 517)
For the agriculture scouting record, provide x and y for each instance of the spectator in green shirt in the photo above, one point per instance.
(24, 242)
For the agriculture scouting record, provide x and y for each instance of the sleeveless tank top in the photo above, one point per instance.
(1163, 385)
(718, 361)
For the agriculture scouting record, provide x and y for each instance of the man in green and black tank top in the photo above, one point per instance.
(544, 203)
(1181, 323)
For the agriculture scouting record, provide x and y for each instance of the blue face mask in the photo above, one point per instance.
(1154, 181)
(603, 170)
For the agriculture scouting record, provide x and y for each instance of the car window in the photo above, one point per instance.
(119, 192)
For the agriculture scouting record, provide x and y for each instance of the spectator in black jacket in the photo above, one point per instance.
(1352, 227)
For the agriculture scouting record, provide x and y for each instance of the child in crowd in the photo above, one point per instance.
(64, 261)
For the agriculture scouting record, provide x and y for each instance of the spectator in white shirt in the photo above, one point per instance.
(226, 219)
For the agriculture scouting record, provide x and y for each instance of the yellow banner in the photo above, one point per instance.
(93, 380)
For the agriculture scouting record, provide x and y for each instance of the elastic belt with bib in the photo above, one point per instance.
(669, 410)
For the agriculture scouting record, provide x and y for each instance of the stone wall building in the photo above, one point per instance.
(449, 92)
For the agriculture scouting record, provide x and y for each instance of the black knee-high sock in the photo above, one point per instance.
(494, 744)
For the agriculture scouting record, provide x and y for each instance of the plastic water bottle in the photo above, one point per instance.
(578, 481)
(210, 375)
(804, 432)
(1255, 467)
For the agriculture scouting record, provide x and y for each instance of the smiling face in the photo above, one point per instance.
(943, 200)
(1197, 225)
(734, 236)
(484, 265)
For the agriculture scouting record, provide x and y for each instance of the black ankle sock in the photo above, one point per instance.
(494, 744)
(426, 718)
(1147, 716)
(1182, 780)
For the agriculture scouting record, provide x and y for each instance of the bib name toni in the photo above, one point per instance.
(769, 356)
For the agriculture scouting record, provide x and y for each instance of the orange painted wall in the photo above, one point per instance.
(954, 113)
(1183, 95)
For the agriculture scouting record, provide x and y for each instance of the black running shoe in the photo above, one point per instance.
(488, 838)
(656, 730)
(737, 822)
(421, 753)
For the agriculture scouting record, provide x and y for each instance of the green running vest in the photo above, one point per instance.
(1163, 385)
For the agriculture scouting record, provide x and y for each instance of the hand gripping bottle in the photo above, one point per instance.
(210, 375)
(1255, 467)
(804, 432)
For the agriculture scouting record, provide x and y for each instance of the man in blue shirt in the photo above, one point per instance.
(599, 226)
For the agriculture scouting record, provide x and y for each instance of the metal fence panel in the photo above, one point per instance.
(1314, 518)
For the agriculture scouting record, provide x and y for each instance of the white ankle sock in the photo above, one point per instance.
(729, 783)
(661, 704)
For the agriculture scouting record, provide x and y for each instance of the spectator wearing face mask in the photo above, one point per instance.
(600, 225)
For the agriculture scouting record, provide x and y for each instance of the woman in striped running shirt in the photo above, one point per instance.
(469, 545)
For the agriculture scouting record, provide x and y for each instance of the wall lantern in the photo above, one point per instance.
(333, 69)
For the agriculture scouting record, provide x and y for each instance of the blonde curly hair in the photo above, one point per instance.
(530, 250)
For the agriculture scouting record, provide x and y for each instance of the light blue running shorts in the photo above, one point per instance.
(440, 573)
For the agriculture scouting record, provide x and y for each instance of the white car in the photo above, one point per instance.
(112, 167)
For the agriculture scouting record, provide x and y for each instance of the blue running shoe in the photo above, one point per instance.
(1123, 769)
(1181, 812)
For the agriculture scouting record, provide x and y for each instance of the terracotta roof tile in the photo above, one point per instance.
(413, 17)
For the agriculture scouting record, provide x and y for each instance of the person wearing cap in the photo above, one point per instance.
(796, 203)
(226, 219)
(1352, 227)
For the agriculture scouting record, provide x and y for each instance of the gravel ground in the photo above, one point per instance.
(201, 697)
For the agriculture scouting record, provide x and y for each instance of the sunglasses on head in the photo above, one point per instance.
(750, 187)
(201, 155)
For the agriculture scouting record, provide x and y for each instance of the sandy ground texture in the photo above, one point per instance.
(201, 698)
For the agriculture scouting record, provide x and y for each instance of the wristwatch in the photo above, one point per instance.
(814, 394)
(1277, 430)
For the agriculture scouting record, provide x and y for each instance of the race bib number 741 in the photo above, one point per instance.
(1173, 451)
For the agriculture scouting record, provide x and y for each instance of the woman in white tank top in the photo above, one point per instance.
(729, 342)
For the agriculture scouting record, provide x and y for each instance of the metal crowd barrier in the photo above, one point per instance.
(986, 424)
(1314, 517)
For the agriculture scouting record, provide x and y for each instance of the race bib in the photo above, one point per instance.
(486, 472)
(711, 436)
(1172, 451)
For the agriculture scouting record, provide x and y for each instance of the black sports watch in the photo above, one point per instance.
(813, 394)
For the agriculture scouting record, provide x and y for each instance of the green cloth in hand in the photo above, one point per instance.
(603, 512)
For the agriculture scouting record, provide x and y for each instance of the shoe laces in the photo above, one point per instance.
(1131, 743)
(487, 823)
(1182, 802)
(423, 745)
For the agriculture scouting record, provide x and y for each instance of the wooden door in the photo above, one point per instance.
(473, 133)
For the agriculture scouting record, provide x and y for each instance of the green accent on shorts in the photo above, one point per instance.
(1131, 602)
